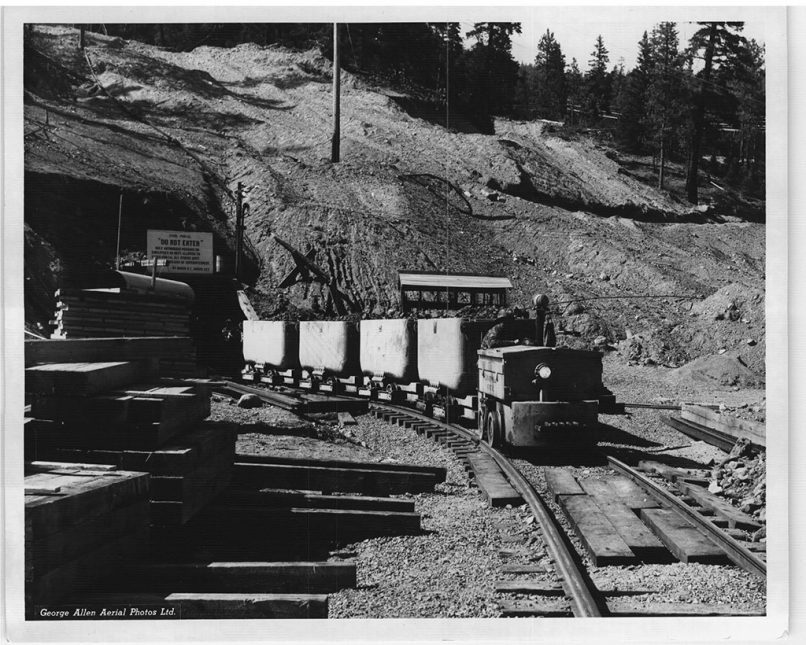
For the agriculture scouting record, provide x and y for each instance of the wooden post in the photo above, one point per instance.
(120, 222)
(238, 229)
(154, 273)
(335, 153)
(81, 40)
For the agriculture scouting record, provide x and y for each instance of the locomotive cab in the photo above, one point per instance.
(535, 396)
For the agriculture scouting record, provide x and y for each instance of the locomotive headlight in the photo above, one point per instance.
(543, 371)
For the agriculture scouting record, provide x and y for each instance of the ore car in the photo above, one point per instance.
(520, 395)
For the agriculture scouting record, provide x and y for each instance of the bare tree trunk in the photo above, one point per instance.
(661, 174)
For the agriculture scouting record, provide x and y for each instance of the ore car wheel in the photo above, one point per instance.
(492, 431)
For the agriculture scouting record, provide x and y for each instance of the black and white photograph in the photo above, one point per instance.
(395, 324)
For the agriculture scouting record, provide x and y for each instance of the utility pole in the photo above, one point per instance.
(334, 150)
(238, 229)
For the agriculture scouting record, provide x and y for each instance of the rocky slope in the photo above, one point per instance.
(626, 264)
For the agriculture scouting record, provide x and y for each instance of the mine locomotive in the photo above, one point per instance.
(524, 392)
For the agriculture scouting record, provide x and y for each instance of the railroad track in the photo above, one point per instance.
(501, 482)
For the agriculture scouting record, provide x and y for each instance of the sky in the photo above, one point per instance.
(576, 30)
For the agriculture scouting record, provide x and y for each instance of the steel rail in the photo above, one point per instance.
(714, 437)
(739, 554)
(274, 398)
(653, 406)
(583, 598)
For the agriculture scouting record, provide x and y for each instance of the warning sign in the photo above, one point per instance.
(185, 252)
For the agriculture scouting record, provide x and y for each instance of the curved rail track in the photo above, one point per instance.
(739, 554)
(586, 600)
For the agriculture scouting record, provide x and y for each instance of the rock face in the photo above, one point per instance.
(742, 478)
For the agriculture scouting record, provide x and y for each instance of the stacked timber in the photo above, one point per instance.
(80, 522)
(104, 313)
(120, 413)
(187, 472)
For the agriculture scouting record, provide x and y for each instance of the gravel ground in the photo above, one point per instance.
(449, 571)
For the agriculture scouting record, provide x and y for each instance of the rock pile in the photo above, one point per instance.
(742, 478)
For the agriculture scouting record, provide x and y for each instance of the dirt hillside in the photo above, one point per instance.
(555, 213)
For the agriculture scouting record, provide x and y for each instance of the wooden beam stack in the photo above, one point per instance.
(103, 313)
(120, 413)
(187, 472)
(81, 521)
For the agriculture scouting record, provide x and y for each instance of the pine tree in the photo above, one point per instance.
(551, 87)
(718, 42)
(632, 100)
(524, 104)
(575, 85)
(665, 99)
(449, 36)
(494, 71)
(597, 80)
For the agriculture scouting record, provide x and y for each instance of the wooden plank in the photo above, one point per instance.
(215, 606)
(239, 577)
(737, 428)
(633, 531)
(682, 538)
(108, 415)
(110, 408)
(81, 502)
(535, 608)
(205, 480)
(121, 298)
(537, 587)
(625, 607)
(85, 379)
(706, 499)
(53, 550)
(42, 490)
(302, 524)
(196, 491)
(60, 467)
(494, 486)
(86, 570)
(42, 434)
(243, 606)
(183, 455)
(601, 540)
(632, 495)
(561, 482)
(327, 480)
(381, 466)
(522, 569)
(274, 498)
